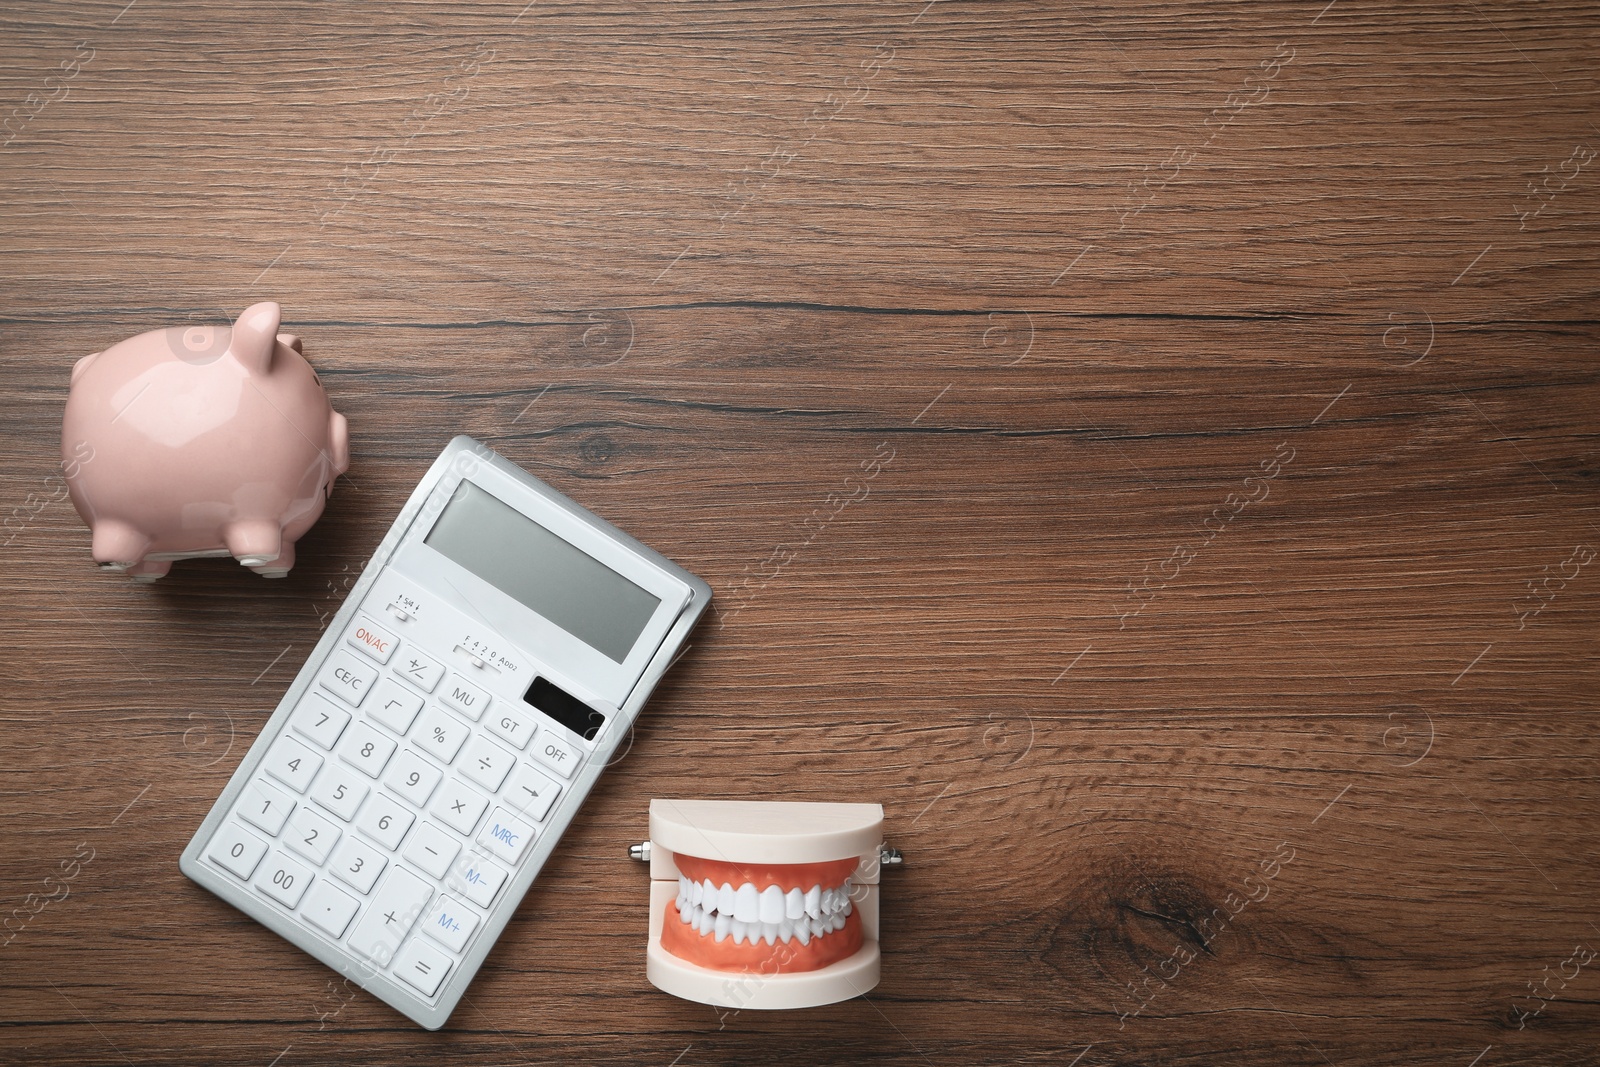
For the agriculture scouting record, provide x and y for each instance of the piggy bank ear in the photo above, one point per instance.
(82, 365)
(255, 335)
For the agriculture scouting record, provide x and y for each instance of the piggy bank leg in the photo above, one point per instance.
(254, 542)
(278, 568)
(149, 570)
(117, 545)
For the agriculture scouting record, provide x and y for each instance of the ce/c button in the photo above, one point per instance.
(347, 677)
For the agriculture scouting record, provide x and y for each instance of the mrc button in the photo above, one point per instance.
(374, 640)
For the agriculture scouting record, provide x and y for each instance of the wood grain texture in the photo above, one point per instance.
(1192, 762)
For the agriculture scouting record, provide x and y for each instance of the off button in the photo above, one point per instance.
(347, 677)
(557, 755)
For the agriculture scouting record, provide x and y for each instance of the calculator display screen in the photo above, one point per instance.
(533, 566)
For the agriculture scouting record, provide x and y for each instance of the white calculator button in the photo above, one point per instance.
(440, 735)
(556, 754)
(366, 750)
(458, 807)
(319, 721)
(422, 966)
(236, 850)
(292, 763)
(340, 791)
(465, 697)
(531, 794)
(418, 669)
(487, 763)
(329, 909)
(357, 864)
(395, 706)
(431, 849)
(511, 725)
(311, 835)
(283, 879)
(476, 879)
(450, 923)
(347, 677)
(367, 636)
(507, 837)
(413, 777)
(264, 807)
(395, 909)
(385, 821)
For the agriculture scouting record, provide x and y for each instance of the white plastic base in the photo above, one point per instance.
(760, 992)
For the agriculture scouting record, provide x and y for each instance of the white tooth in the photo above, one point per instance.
(704, 920)
(747, 903)
(683, 884)
(785, 929)
(794, 904)
(848, 907)
(725, 899)
(819, 926)
(838, 921)
(802, 931)
(769, 932)
(827, 902)
(694, 893)
(771, 904)
(708, 894)
(814, 901)
(686, 914)
(721, 925)
(739, 929)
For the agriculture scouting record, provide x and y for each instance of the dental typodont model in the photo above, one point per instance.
(759, 904)
(201, 441)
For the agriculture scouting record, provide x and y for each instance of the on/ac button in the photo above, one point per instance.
(374, 640)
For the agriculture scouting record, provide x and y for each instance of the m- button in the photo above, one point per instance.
(347, 677)
(372, 639)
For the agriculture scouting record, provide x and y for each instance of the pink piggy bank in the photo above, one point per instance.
(201, 441)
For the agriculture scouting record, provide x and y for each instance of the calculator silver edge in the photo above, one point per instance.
(432, 1013)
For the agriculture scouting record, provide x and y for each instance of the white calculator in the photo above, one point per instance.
(445, 730)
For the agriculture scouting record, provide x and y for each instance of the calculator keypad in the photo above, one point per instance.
(392, 811)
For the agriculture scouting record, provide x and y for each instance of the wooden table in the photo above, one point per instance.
(1150, 448)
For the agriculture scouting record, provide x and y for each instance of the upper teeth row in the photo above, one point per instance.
(770, 905)
(801, 929)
